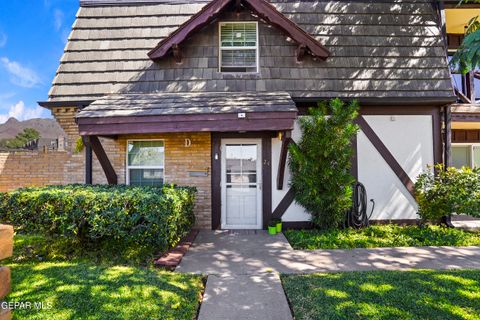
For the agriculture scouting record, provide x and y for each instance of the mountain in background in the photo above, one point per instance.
(48, 128)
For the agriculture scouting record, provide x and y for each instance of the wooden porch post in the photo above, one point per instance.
(447, 156)
(102, 157)
(88, 164)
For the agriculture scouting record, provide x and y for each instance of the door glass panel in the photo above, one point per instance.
(461, 156)
(241, 163)
(476, 156)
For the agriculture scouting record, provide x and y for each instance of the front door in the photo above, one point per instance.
(241, 183)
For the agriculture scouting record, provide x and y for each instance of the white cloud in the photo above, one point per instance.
(3, 39)
(20, 112)
(20, 75)
(58, 17)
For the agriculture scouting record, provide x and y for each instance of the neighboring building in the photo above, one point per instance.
(208, 94)
(465, 113)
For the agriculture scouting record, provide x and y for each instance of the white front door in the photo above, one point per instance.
(241, 184)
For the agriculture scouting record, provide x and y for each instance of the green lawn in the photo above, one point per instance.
(86, 289)
(385, 295)
(381, 236)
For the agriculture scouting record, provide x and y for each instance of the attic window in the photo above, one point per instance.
(238, 46)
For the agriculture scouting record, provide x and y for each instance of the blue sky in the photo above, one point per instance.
(33, 34)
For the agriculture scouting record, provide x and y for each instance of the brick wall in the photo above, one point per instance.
(19, 169)
(31, 168)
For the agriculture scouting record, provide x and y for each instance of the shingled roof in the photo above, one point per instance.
(379, 49)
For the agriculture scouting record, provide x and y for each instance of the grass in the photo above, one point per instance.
(385, 295)
(83, 288)
(381, 236)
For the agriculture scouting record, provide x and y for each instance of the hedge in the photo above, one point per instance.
(126, 215)
(441, 192)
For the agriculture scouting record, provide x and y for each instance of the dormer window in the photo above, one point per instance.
(238, 46)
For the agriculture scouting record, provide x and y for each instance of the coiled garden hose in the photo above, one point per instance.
(357, 215)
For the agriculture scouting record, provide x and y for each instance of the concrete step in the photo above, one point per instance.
(244, 297)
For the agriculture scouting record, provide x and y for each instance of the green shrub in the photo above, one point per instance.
(123, 215)
(321, 162)
(448, 191)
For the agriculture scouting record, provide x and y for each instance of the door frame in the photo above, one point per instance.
(251, 141)
(266, 137)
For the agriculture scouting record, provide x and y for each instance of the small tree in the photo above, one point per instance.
(320, 164)
(21, 139)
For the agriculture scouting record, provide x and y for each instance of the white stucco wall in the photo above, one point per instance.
(409, 139)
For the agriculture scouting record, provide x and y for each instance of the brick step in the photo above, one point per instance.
(5, 284)
(172, 258)
(6, 241)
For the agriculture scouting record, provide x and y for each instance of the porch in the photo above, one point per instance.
(217, 142)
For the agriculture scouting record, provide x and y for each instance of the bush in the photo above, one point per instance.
(448, 191)
(117, 215)
(321, 162)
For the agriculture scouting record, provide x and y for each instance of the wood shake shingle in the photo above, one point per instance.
(379, 49)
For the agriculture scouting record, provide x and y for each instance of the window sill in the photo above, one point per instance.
(239, 75)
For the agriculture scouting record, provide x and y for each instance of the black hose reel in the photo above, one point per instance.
(357, 215)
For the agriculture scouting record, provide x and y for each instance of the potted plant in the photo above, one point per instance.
(272, 228)
(278, 224)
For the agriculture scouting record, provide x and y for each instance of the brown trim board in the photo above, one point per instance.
(286, 140)
(386, 154)
(284, 204)
(262, 121)
(216, 156)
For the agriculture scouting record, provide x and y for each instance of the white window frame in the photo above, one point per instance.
(220, 48)
(128, 167)
(471, 145)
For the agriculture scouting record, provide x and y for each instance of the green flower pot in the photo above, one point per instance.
(279, 227)
(272, 230)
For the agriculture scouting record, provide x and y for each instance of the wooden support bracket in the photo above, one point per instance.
(461, 96)
(102, 157)
(177, 53)
(301, 50)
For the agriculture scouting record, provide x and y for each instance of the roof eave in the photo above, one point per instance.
(73, 103)
(264, 10)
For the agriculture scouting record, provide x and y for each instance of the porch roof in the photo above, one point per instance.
(188, 112)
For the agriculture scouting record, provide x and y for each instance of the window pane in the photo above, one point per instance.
(239, 58)
(476, 156)
(238, 34)
(146, 177)
(460, 156)
(145, 153)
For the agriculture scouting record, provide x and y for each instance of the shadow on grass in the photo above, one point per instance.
(385, 295)
(80, 290)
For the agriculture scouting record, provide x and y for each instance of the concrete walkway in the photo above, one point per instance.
(243, 269)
